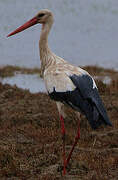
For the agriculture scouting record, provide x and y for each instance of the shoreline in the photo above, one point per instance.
(9, 70)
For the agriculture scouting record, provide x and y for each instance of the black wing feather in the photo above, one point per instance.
(91, 98)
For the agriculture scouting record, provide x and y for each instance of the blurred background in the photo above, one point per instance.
(85, 32)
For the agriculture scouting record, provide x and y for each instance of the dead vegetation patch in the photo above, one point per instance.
(8, 71)
(31, 144)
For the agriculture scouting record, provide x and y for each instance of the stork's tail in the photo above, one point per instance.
(96, 119)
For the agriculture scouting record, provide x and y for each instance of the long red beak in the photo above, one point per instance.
(28, 24)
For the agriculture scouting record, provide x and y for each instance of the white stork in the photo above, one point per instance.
(67, 84)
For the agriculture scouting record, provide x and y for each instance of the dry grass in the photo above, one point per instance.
(8, 71)
(31, 144)
(96, 70)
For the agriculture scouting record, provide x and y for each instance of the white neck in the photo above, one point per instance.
(45, 52)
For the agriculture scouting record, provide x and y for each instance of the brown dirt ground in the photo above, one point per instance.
(30, 136)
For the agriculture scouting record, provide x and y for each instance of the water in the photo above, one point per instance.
(85, 32)
(33, 83)
(105, 79)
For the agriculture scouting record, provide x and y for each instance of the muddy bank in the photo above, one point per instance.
(9, 71)
(30, 136)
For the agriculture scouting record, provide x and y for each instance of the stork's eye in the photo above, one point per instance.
(41, 15)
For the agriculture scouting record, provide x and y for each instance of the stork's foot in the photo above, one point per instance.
(60, 168)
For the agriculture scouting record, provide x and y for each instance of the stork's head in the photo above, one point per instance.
(44, 16)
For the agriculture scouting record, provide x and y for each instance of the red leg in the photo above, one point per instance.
(76, 140)
(63, 138)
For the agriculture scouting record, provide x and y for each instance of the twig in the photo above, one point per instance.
(109, 133)
(95, 150)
